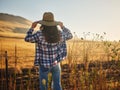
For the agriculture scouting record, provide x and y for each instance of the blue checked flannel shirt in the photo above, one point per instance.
(47, 53)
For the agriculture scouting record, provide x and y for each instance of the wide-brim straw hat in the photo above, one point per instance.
(48, 20)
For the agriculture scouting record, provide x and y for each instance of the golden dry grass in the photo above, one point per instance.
(25, 52)
(17, 49)
(78, 51)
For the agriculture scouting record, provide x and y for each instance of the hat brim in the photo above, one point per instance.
(54, 23)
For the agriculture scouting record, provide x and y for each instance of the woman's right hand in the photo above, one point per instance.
(61, 25)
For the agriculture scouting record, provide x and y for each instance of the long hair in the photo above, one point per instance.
(51, 33)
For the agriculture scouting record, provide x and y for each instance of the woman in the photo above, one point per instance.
(50, 48)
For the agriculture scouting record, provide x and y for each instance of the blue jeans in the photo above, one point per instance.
(56, 77)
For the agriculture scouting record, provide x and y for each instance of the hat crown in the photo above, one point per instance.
(48, 16)
(48, 19)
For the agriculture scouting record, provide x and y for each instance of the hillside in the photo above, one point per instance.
(11, 25)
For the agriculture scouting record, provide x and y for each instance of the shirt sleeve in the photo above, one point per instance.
(67, 34)
(33, 38)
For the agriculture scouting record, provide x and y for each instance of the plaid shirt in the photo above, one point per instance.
(47, 53)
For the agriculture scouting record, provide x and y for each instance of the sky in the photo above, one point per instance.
(80, 16)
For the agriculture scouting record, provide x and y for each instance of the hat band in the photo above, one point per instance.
(48, 20)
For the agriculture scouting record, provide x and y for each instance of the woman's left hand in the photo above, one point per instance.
(34, 24)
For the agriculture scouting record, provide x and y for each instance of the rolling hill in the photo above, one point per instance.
(13, 26)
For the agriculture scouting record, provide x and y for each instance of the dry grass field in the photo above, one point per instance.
(19, 50)
(78, 50)
(24, 52)
(90, 65)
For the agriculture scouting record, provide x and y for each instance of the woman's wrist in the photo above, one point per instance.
(31, 28)
(62, 27)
